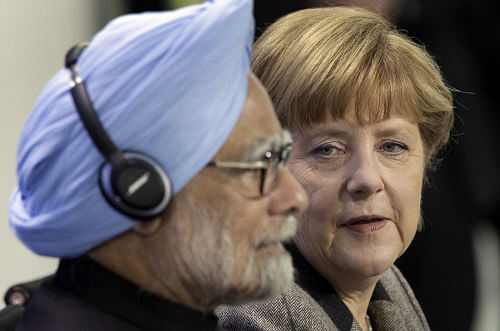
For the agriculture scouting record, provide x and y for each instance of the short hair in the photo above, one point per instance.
(314, 62)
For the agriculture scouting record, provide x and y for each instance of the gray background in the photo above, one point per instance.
(34, 37)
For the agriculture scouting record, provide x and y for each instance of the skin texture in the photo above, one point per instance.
(219, 241)
(351, 170)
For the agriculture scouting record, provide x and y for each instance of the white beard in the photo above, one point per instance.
(209, 263)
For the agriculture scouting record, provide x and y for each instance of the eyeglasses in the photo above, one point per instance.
(268, 167)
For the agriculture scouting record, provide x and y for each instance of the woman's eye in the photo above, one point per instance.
(393, 147)
(326, 150)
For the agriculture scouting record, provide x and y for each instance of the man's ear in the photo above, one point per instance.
(147, 228)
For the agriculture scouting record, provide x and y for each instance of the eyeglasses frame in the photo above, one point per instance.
(262, 165)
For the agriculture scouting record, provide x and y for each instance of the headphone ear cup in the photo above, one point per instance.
(136, 186)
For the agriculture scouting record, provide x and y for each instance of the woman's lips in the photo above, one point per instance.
(366, 225)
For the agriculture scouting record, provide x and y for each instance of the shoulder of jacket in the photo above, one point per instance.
(294, 309)
(400, 292)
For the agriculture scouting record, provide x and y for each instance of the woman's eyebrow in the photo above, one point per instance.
(393, 132)
(394, 129)
(328, 132)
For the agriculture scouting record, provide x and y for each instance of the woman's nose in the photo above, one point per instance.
(364, 177)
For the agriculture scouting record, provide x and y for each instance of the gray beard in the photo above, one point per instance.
(209, 262)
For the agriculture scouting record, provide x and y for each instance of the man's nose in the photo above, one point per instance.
(288, 195)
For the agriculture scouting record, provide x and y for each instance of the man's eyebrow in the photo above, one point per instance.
(256, 151)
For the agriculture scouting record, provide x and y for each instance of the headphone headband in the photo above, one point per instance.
(85, 108)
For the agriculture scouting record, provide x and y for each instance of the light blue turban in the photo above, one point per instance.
(168, 84)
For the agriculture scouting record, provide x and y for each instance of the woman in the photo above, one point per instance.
(368, 110)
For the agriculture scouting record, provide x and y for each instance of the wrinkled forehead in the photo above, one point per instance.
(373, 109)
(363, 111)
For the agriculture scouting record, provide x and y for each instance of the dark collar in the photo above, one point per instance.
(121, 298)
(326, 296)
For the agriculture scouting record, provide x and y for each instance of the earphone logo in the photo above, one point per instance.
(138, 184)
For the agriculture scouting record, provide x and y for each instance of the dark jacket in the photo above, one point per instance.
(85, 296)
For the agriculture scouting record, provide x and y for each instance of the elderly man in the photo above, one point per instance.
(153, 166)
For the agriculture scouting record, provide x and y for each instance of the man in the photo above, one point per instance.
(192, 202)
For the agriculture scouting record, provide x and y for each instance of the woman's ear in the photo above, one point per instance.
(147, 228)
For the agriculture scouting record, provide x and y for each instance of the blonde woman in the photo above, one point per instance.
(368, 110)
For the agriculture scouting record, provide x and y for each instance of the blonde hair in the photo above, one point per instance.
(314, 62)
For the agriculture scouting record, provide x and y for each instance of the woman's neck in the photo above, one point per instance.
(356, 294)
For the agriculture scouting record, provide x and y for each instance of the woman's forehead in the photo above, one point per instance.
(349, 124)
(362, 114)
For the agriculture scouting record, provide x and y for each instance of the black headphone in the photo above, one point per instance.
(131, 182)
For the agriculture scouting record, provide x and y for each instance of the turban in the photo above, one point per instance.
(168, 84)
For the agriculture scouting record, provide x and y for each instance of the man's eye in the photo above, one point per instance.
(393, 147)
(326, 150)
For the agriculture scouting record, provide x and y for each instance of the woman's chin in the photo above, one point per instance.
(365, 264)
